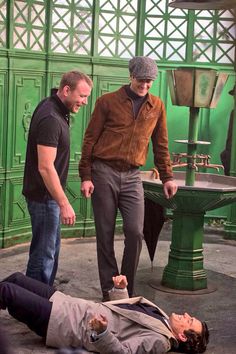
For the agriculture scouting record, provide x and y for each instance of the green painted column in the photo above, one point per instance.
(230, 224)
(185, 266)
(192, 146)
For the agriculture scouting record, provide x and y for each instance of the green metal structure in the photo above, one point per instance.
(196, 193)
(230, 224)
(41, 39)
(185, 269)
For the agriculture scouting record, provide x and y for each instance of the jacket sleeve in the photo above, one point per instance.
(118, 294)
(92, 134)
(160, 147)
(153, 343)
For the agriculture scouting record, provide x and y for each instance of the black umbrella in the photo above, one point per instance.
(153, 221)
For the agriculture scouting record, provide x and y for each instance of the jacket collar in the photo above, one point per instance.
(135, 300)
(124, 97)
(146, 320)
(65, 112)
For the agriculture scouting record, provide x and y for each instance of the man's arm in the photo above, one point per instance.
(106, 342)
(138, 343)
(92, 134)
(99, 323)
(46, 158)
(119, 290)
(162, 156)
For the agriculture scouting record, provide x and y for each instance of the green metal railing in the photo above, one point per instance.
(119, 29)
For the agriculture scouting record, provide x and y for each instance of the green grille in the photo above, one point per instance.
(29, 25)
(71, 26)
(165, 32)
(117, 28)
(3, 12)
(214, 37)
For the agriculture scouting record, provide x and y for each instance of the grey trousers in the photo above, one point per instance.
(115, 190)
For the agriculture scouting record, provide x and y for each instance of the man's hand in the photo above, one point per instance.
(170, 188)
(98, 323)
(67, 214)
(120, 282)
(87, 188)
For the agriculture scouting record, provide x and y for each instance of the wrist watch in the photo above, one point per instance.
(95, 336)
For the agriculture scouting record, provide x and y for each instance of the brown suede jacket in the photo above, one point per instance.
(114, 136)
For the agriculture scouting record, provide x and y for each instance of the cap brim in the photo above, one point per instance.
(145, 78)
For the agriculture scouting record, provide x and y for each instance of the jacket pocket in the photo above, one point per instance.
(108, 145)
(139, 150)
(150, 116)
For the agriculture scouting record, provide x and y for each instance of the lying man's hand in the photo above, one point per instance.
(120, 281)
(98, 323)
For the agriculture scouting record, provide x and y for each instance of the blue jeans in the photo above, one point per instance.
(45, 244)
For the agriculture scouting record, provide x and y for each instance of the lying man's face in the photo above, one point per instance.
(181, 323)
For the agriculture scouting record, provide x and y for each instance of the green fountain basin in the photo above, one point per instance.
(210, 191)
(185, 269)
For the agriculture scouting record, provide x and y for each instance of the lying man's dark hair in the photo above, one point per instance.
(195, 343)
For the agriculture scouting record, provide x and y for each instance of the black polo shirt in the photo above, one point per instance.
(50, 127)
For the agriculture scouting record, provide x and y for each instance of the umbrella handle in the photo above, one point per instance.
(155, 173)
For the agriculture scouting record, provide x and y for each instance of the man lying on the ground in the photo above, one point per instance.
(125, 326)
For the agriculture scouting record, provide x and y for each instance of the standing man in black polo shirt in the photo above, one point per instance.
(46, 169)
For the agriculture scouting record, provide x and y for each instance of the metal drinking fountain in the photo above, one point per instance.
(197, 192)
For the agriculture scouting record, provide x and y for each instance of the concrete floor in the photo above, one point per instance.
(78, 276)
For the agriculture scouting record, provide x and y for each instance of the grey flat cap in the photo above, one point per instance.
(143, 68)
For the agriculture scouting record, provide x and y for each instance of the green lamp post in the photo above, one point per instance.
(194, 88)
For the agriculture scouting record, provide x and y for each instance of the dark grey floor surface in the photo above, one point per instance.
(78, 276)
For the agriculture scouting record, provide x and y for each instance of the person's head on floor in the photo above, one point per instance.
(74, 89)
(143, 71)
(191, 333)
